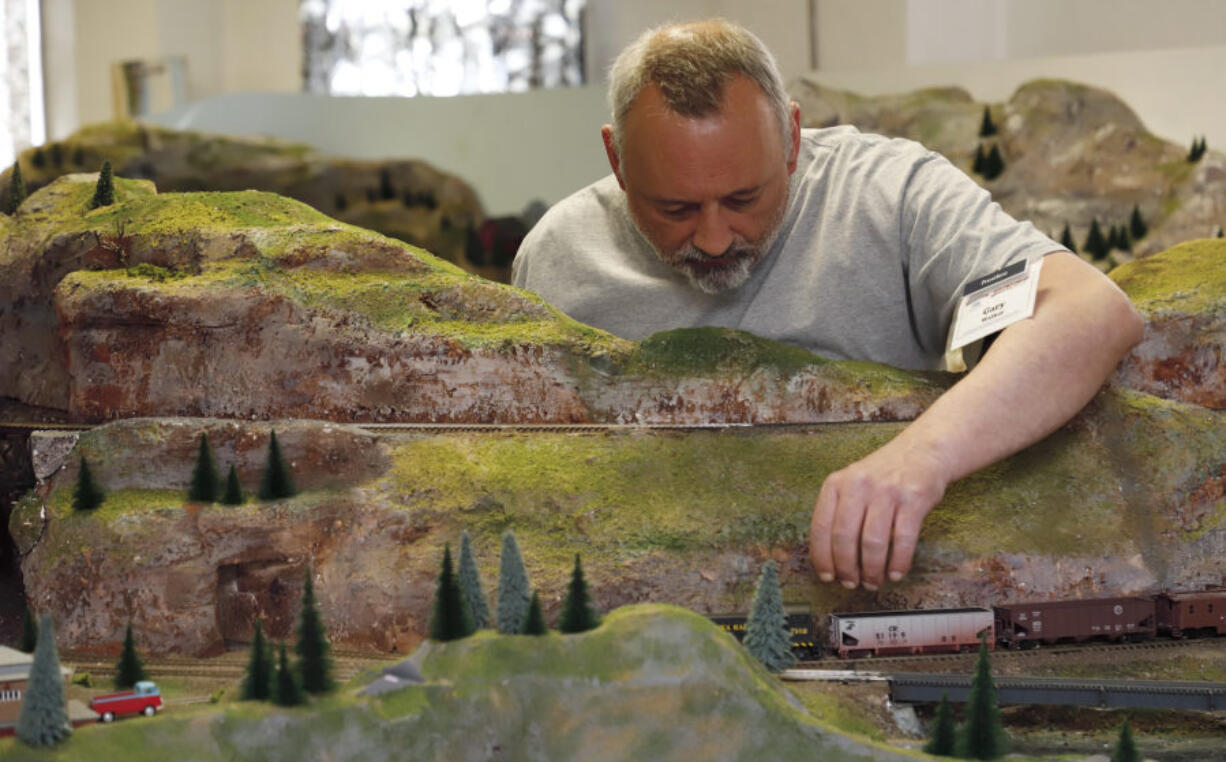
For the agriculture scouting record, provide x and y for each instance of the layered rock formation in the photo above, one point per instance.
(1072, 154)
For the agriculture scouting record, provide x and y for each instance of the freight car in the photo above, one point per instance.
(1026, 625)
(880, 633)
(805, 645)
(1192, 615)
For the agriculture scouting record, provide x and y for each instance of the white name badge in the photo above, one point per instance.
(994, 302)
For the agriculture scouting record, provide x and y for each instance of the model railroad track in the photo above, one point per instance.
(229, 666)
(465, 428)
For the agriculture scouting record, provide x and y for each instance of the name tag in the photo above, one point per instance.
(994, 302)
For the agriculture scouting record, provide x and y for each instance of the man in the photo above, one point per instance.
(722, 211)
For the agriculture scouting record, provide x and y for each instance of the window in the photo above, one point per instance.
(440, 47)
(10, 695)
(21, 79)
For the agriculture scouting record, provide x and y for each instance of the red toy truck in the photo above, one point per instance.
(145, 699)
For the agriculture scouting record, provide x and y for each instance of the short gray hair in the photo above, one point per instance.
(692, 64)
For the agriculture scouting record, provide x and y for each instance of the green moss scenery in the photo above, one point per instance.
(1187, 278)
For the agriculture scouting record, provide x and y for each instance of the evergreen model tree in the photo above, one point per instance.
(87, 495)
(257, 683)
(288, 692)
(1066, 239)
(276, 482)
(578, 614)
(234, 490)
(978, 165)
(1096, 244)
(29, 631)
(534, 622)
(39, 159)
(1220, 234)
(17, 190)
(78, 156)
(386, 190)
(766, 632)
(43, 720)
(1124, 241)
(314, 663)
(57, 154)
(130, 670)
(942, 742)
(104, 191)
(513, 598)
(987, 128)
(1136, 224)
(450, 620)
(994, 165)
(470, 585)
(1125, 747)
(1113, 238)
(983, 736)
(204, 476)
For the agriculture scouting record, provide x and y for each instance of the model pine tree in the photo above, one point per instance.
(986, 127)
(257, 683)
(287, 691)
(130, 670)
(766, 632)
(314, 661)
(977, 165)
(983, 736)
(994, 164)
(450, 620)
(17, 190)
(43, 720)
(1066, 239)
(57, 154)
(1113, 238)
(1125, 747)
(87, 495)
(943, 741)
(513, 597)
(276, 482)
(1136, 224)
(234, 491)
(104, 191)
(204, 475)
(386, 189)
(1096, 244)
(1123, 239)
(578, 614)
(470, 585)
(39, 159)
(534, 622)
(29, 631)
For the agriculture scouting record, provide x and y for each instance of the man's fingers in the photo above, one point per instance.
(875, 542)
(820, 531)
(906, 535)
(848, 521)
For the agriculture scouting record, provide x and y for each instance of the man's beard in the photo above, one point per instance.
(730, 270)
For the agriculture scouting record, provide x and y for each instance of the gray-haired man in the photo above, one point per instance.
(722, 211)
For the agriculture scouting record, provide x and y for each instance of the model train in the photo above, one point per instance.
(1014, 625)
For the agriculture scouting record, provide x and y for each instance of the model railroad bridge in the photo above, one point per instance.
(1114, 694)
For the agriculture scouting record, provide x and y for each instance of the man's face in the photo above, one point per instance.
(709, 194)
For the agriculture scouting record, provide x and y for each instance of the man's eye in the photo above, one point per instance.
(676, 212)
(740, 202)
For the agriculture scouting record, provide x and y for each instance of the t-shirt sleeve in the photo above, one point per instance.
(952, 233)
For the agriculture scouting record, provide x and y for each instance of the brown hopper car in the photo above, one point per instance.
(1025, 625)
(1192, 615)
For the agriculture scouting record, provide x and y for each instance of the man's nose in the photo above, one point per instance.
(712, 235)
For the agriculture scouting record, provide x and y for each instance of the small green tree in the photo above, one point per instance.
(1096, 244)
(57, 154)
(43, 719)
(78, 156)
(204, 476)
(986, 127)
(313, 648)
(1220, 234)
(17, 190)
(1123, 239)
(1125, 747)
(978, 165)
(1066, 239)
(767, 636)
(1113, 238)
(534, 622)
(470, 585)
(1136, 224)
(994, 164)
(39, 159)
(450, 620)
(942, 742)
(386, 189)
(983, 736)
(234, 491)
(578, 614)
(87, 495)
(29, 631)
(130, 670)
(104, 191)
(287, 692)
(276, 482)
(257, 683)
(513, 596)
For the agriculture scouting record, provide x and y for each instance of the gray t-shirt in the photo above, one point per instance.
(879, 238)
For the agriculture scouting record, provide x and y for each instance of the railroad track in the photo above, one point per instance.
(447, 428)
(231, 665)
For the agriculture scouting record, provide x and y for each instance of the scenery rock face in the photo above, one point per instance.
(406, 199)
(1073, 154)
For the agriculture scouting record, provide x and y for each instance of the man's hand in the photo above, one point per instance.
(864, 508)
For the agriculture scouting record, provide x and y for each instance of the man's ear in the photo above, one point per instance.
(610, 149)
(794, 123)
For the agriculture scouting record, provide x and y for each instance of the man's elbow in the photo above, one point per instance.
(1127, 325)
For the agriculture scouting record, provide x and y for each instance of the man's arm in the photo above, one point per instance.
(1036, 375)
